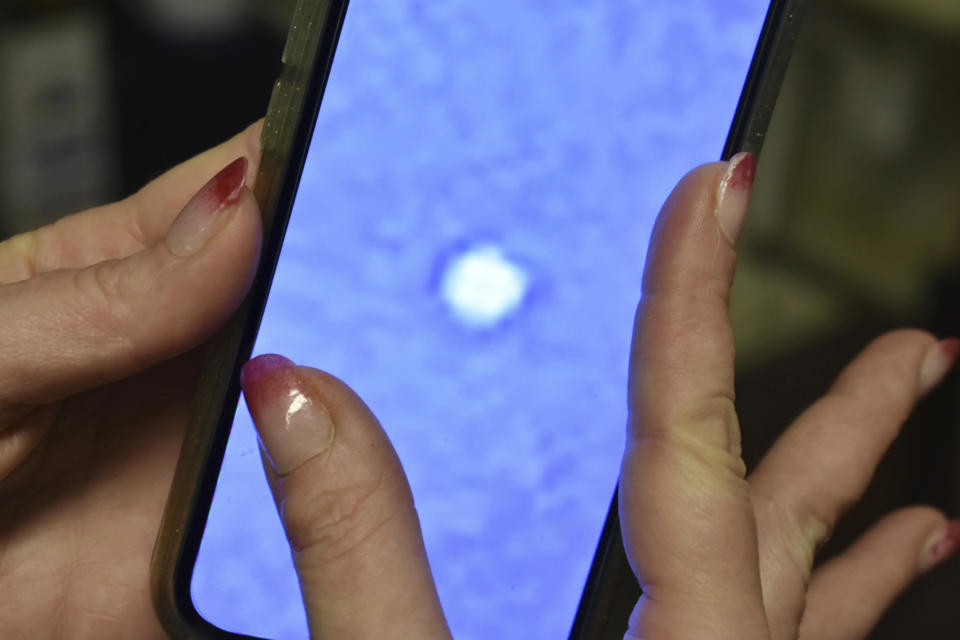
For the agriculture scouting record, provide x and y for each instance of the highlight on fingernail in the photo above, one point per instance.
(733, 195)
(292, 423)
(937, 363)
(941, 546)
(202, 218)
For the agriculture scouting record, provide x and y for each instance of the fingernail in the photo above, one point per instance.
(733, 195)
(292, 424)
(204, 215)
(937, 363)
(941, 546)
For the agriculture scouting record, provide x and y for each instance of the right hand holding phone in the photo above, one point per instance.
(720, 554)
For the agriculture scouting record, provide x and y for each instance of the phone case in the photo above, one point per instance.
(611, 590)
(287, 132)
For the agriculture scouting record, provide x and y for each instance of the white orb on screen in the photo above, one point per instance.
(482, 287)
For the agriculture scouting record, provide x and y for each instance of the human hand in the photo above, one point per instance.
(99, 312)
(718, 553)
(345, 505)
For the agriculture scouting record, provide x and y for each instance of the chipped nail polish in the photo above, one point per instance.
(733, 195)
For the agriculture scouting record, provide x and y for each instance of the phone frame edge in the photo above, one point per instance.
(287, 133)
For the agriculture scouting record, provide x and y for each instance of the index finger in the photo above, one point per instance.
(120, 229)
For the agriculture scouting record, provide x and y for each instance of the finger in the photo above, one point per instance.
(849, 594)
(684, 502)
(120, 229)
(824, 462)
(345, 505)
(71, 330)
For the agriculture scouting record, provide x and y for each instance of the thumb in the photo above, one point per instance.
(345, 505)
(688, 523)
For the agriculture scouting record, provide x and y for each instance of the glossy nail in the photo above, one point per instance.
(941, 546)
(292, 424)
(937, 363)
(733, 195)
(205, 214)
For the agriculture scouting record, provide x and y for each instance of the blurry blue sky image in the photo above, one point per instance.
(465, 251)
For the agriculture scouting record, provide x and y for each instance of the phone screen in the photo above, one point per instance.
(465, 251)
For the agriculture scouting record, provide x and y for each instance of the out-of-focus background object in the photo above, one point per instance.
(56, 123)
(98, 97)
(855, 230)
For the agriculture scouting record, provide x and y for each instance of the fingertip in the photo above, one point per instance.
(180, 293)
(722, 187)
(686, 228)
(208, 211)
(733, 195)
(697, 188)
(258, 373)
(878, 567)
(292, 421)
(938, 360)
(941, 545)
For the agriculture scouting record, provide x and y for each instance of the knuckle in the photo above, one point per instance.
(331, 521)
(708, 446)
(105, 304)
(809, 522)
(711, 421)
(100, 293)
(797, 530)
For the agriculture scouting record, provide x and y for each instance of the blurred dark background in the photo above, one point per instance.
(97, 97)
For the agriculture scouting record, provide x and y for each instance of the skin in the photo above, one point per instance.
(97, 381)
(723, 554)
(99, 367)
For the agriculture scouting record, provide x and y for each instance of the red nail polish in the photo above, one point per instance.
(945, 547)
(937, 363)
(225, 187)
(263, 370)
(292, 423)
(951, 348)
(733, 195)
(744, 173)
(199, 222)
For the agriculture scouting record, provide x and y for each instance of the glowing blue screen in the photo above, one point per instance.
(465, 251)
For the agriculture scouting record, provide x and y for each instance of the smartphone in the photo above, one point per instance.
(459, 234)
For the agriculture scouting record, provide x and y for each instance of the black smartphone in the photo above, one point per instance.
(459, 234)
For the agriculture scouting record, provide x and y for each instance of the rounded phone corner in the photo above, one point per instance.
(173, 604)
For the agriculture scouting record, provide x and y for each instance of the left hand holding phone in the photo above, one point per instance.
(100, 312)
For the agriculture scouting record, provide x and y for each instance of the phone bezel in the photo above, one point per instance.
(287, 131)
(610, 591)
